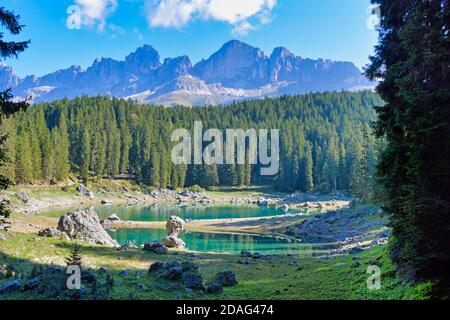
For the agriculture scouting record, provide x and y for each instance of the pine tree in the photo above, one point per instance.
(24, 165)
(8, 167)
(85, 156)
(306, 171)
(62, 165)
(10, 21)
(75, 258)
(413, 62)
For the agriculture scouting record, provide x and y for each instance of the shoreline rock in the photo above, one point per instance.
(85, 226)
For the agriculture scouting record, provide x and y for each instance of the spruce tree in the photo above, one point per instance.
(10, 49)
(413, 62)
(61, 145)
(75, 258)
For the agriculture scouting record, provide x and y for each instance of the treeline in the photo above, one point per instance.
(325, 142)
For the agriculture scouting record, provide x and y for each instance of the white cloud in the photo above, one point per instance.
(242, 14)
(93, 13)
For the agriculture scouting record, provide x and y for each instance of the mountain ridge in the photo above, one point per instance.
(236, 71)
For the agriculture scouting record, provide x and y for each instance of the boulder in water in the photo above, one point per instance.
(173, 242)
(175, 226)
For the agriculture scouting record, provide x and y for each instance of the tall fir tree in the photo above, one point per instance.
(8, 49)
(413, 62)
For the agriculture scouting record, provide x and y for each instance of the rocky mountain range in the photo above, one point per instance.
(237, 71)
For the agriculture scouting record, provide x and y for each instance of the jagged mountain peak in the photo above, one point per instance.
(144, 59)
(236, 71)
(281, 52)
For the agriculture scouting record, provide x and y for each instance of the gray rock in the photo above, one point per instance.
(85, 226)
(155, 247)
(108, 222)
(114, 217)
(214, 288)
(143, 287)
(156, 267)
(262, 202)
(257, 255)
(171, 271)
(22, 196)
(4, 199)
(31, 284)
(88, 277)
(2, 237)
(124, 273)
(49, 233)
(226, 279)
(193, 281)
(10, 287)
(246, 254)
(173, 242)
(175, 226)
(84, 191)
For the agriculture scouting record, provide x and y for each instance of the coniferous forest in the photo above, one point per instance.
(372, 168)
(325, 142)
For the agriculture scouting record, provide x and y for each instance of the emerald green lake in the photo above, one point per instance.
(164, 212)
(203, 242)
(222, 243)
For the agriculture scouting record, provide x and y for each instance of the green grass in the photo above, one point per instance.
(342, 278)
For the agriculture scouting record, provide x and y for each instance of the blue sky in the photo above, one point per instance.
(329, 29)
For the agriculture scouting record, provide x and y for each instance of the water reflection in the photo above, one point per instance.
(193, 212)
(223, 243)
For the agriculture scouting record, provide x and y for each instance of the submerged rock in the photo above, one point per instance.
(85, 226)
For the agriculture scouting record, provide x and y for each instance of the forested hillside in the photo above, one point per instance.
(325, 141)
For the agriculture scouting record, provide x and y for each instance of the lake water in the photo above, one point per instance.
(222, 243)
(196, 212)
(204, 242)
